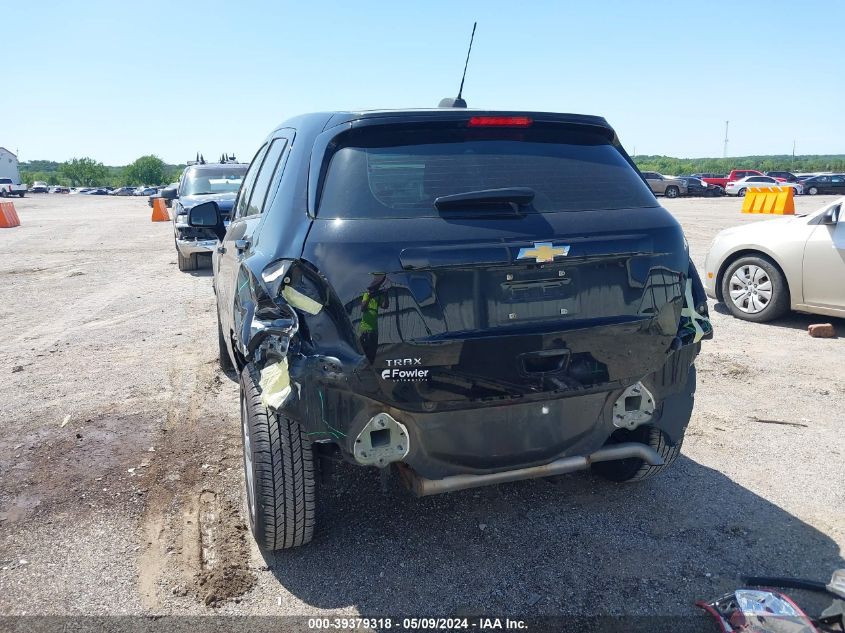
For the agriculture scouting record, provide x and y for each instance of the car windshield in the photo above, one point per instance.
(388, 173)
(216, 179)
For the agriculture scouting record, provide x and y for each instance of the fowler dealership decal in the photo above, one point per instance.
(404, 374)
(395, 373)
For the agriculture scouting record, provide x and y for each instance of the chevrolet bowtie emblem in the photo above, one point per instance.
(543, 252)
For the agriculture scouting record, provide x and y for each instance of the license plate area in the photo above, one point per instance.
(533, 293)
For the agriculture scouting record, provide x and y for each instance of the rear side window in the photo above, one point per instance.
(265, 174)
(248, 182)
(390, 173)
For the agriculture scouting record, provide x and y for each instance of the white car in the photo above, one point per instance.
(761, 270)
(739, 187)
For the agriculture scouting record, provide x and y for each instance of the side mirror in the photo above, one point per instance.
(168, 194)
(207, 216)
(831, 216)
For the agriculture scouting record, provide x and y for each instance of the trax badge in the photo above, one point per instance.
(543, 252)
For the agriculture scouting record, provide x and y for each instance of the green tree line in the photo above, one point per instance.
(151, 170)
(87, 172)
(785, 162)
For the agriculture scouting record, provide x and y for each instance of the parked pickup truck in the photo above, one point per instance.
(8, 188)
(736, 174)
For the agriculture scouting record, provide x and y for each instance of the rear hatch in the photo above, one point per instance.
(556, 271)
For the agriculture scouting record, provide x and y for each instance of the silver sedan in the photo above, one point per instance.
(764, 269)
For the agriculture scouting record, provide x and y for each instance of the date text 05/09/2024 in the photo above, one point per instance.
(418, 624)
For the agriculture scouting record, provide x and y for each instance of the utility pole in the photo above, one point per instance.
(792, 165)
(725, 149)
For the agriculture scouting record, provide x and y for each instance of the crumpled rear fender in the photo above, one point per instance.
(290, 330)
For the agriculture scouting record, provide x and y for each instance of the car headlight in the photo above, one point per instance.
(182, 218)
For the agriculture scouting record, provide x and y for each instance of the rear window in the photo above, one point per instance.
(389, 173)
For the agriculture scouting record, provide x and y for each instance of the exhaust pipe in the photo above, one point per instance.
(423, 487)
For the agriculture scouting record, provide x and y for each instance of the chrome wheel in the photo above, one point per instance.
(249, 474)
(750, 289)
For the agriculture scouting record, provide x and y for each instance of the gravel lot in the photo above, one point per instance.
(120, 462)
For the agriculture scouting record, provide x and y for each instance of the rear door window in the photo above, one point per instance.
(390, 173)
(249, 180)
(265, 175)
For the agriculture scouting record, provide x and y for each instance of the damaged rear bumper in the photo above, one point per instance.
(483, 441)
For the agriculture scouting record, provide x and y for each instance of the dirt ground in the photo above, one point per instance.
(121, 481)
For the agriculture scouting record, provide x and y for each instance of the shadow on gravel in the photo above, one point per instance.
(574, 544)
(202, 272)
(793, 320)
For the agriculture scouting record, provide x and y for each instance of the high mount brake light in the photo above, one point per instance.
(500, 121)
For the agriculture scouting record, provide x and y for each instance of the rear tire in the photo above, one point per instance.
(279, 471)
(635, 469)
(741, 193)
(188, 263)
(672, 192)
(21, 194)
(812, 191)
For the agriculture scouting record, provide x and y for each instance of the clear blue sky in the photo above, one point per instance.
(115, 80)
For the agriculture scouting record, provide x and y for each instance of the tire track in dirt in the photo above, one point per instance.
(193, 532)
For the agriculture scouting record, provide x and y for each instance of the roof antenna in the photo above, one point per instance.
(458, 102)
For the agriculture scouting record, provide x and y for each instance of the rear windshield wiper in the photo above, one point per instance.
(507, 198)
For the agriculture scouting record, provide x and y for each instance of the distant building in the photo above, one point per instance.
(9, 166)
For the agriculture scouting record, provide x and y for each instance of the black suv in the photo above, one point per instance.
(476, 297)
